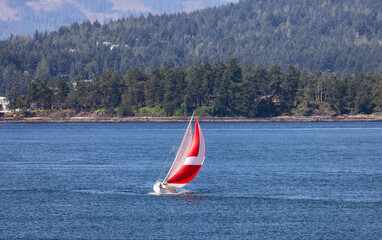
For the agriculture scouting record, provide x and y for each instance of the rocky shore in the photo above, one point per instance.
(67, 117)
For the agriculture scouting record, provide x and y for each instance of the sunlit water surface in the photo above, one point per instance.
(259, 181)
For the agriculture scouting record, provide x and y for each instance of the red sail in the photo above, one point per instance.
(194, 160)
(194, 150)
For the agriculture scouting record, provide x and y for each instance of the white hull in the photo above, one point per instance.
(163, 188)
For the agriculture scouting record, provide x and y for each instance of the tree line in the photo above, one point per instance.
(222, 89)
(336, 36)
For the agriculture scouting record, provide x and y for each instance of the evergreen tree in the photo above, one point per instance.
(40, 95)
(12, 96)
(76, 99)
(362, 101)
(376, 94)
(109, 85)
(174, 86)
(62, 91)
(289, 86)
(195, 92)
(153, 89)
(221, 94)
(134, 95)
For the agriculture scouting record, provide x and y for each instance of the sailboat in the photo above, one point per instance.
(187, 163)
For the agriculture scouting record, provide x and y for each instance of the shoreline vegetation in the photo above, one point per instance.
(221, 90)
(68, 116)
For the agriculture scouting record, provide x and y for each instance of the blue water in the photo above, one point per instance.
(259, 181)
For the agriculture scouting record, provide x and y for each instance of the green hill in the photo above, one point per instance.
(336, 36)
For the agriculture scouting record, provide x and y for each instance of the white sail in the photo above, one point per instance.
(182, 152)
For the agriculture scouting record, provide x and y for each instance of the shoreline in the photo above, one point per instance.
(150, 119)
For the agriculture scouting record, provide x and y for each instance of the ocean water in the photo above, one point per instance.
(259, 181)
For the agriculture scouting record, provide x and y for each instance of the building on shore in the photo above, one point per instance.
(4, 104)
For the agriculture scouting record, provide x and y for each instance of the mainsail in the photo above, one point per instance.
(189, 159)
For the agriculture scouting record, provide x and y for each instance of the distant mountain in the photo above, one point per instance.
(26, 16)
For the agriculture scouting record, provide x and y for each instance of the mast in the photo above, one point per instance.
(181, 154)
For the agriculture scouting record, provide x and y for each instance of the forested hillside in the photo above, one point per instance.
(336, 36)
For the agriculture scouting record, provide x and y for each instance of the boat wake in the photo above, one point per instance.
(181, 192)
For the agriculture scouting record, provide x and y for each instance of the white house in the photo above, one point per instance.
(4, 102)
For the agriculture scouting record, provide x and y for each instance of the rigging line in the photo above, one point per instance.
(166, 163)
